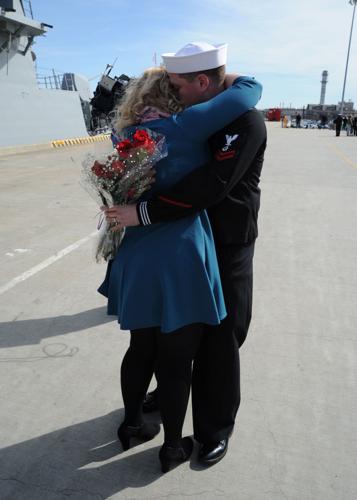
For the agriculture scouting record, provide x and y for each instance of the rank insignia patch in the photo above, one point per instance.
(226, 152)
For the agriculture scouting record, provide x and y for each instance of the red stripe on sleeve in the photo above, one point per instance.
(173, 202)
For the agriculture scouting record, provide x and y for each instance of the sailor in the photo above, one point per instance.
(338, 122)
(228, 187)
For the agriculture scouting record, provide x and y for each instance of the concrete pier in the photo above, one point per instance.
(296, 434)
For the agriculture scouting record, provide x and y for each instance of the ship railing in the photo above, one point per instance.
(27, 6)
(57, 82)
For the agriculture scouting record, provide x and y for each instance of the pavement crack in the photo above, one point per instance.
(12, 479)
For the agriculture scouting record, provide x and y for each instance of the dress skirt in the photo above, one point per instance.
(166, 275)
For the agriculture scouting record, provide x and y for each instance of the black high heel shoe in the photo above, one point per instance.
(143, 432)
(151, 402)
(170, 455)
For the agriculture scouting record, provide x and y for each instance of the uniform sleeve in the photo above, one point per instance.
(203, 120)
(212, 182)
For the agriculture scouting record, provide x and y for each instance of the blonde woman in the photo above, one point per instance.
(164, 284)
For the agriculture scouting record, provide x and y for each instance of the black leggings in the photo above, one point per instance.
(170, 355)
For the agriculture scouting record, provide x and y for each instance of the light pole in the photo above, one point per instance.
(352, 2)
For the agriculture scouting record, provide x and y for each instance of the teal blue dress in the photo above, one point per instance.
(166, 275)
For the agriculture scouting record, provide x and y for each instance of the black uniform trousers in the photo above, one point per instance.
(216, 371)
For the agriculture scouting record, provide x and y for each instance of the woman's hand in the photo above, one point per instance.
(121, 216)
(229, 79)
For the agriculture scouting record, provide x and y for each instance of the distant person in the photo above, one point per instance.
(282, 120)
(349, 128)
(298, 120)
(338, 123)
(344, 123)
(354, 125)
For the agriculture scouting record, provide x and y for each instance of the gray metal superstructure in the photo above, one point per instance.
(30, 114)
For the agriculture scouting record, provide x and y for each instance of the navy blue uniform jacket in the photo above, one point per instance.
(228, 186)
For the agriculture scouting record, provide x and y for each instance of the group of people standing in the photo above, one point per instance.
(347, 123)
(350, 125)
(182, 279)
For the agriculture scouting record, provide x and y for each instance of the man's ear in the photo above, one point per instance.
(203, 81)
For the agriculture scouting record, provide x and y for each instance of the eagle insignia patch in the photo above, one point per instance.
(226, 153)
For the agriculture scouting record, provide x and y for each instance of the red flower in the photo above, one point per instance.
(124, 147)
(150, 146)
(131, 193)
(141, 137)
(100, 171)
(118, 167)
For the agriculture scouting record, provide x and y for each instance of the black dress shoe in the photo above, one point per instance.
(151, 402)
(212, 453)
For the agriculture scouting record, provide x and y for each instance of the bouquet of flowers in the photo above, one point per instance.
(121, 177)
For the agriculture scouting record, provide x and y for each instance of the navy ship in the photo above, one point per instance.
(40, 109)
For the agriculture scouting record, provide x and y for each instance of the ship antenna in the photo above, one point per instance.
(110, 67)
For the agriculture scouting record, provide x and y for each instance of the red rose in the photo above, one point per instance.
(118, 167)
(124, 148)
(100, 171)
(141, 137)
(150, 146)
(131, 193)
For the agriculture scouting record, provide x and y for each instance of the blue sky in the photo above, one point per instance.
(285, 44)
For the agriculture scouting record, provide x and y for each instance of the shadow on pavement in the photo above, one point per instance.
(84, 460)
(33, 331)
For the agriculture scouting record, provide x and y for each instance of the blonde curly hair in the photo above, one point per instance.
(153, 88)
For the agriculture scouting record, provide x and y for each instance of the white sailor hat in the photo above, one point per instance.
(196, 56)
